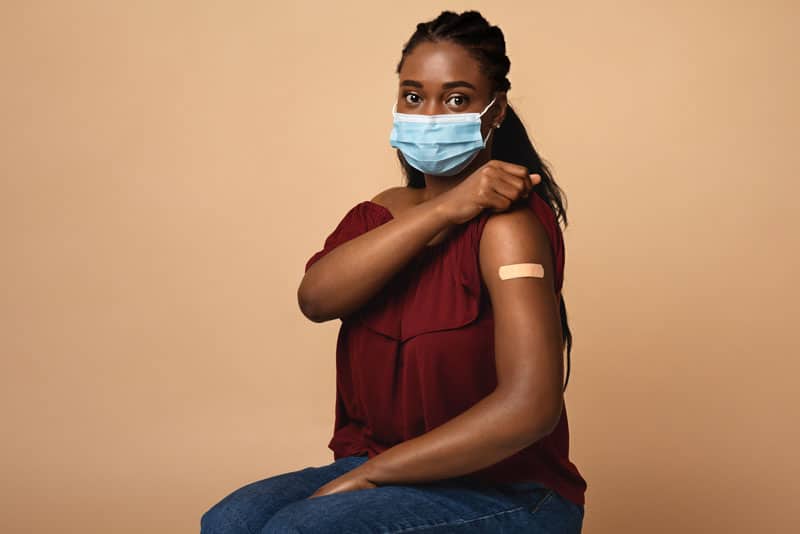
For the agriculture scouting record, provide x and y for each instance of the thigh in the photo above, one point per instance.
(248, 508)
(438, 507)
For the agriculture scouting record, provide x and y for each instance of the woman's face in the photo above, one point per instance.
(440, 78)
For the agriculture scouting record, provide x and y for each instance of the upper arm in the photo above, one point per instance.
(527, 323)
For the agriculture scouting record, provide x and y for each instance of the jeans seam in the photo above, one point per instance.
(544, 500)
(458, 521)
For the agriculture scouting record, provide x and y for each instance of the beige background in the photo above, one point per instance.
(167, 167)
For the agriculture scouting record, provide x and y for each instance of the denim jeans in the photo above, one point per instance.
(278, 505)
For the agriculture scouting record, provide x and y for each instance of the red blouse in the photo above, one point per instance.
(421, 351)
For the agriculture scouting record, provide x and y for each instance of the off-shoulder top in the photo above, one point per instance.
(421, 351)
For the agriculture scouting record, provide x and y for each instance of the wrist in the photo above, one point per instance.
(364, 471)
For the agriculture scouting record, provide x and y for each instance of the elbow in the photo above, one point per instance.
(548, 415)
(307, 312)
(551, 417)
(305, 302)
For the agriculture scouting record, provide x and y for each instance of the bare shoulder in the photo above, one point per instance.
(514, 236)
(397, 198)
(518, 223)
(387, 195)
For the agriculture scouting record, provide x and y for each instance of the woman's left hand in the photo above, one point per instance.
(350, 481)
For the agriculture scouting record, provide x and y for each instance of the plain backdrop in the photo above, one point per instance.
(167, 167)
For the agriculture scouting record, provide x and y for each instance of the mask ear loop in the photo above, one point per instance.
(487, 137)
(481, 115)
(484, 109)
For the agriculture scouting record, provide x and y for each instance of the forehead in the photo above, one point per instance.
(436, 63)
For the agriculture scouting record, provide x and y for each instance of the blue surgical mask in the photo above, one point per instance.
(441, 145)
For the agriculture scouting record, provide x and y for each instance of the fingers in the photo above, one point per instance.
(498, 201)
(508, 189)
(515, 186)
(532, 180)
(515, 174)
(511, 168)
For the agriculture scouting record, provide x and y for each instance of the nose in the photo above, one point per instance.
(434, 108)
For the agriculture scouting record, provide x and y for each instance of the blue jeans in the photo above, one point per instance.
(278, 505)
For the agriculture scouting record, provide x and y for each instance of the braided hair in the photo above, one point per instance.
(486, 44)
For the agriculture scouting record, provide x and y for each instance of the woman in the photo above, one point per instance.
(449, 412)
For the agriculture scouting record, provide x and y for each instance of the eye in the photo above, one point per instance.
(409, 97)
(460, 100)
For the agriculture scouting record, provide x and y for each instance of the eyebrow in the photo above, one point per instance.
(446, 85)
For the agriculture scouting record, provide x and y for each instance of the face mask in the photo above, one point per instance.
(441, 145)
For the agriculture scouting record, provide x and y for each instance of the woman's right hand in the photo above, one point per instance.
(496, 184)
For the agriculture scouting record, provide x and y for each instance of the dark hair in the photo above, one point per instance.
(487, 45)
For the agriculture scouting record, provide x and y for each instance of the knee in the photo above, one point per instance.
(221, 519)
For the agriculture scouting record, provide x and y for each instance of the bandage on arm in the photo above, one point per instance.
(520, 270)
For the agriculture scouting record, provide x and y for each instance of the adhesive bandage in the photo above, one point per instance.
(519, 270)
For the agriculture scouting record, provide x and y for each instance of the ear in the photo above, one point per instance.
(501, 105)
